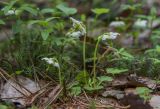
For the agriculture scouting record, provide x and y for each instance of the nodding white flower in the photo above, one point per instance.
(75, 22)
(48, 60)
(110, 35)
(13, 12)
(78, 29)
(76, 34)
(117, 24)
(10, 12)
(51, 61)
(56, 64)
(140, 23)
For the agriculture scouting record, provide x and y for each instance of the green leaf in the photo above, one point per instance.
(76, 90)
(47, 10)
(81, 77)
(16, 28)
(116, 70)
(2, 22)
(153, 11)
(39, 22)
(142, 16)
(9, 6)
(66, 10)
(58, 41)
(131, 7)
(45, 34)
(50, 18)
(3, 107)
(32, 22)
(157, 49)
(144, 92)
(30, 10)
(18, 72)
(155, 61)
(125, 54)
(105, 78)
(100, 11)
(93, 88)
(156, 31)
(126, 6)
(72, 84)
(6, 9)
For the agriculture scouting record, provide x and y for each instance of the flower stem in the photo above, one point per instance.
(59, 74)
(60, 77)
(94, 61)
(84, 57)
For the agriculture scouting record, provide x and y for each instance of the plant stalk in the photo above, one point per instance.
(94, 61)
(60, 77)
(59, 74)
(84, 58)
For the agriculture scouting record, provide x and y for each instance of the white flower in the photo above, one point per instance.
(10, 12)
(56, 64)
(48, 60)
(110, 35)
(78, 27)
(140, 23)
(51, 61)
(117, 24)
(113, 35)
(104, 37)
(76, 34)
(75, 22)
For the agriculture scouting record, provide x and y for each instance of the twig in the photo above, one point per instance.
(38, 94)
(12, 98)
(105, 106)
(2, 71)
(86, 95)
(53, 96)
(10, 83)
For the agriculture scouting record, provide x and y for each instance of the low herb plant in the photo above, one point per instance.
(144, 93)
(92, 82)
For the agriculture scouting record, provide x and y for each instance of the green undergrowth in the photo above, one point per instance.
(52, 45)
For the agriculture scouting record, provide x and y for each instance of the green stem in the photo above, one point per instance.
(94, 61)
(59, 74)
(150, 26)
(60, 77)
(84, 58)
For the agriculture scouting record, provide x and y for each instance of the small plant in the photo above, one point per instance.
(77, 31)
(67, 10)
(54, 62)
(115, 71)
(2, 22)
(103, 37)
(46, 29)
(11, 9)
(144, 93)
(100, 11)
(96, 84)
(3, 107)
